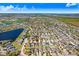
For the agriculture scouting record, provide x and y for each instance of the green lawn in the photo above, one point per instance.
(7, 22)
(16, 44)
(73, 21)
(20, 20)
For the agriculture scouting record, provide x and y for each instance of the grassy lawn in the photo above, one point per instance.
(7, 22)
(16, 45)
(72, 21)
(20, 20)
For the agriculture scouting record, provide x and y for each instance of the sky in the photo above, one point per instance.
(39, 7)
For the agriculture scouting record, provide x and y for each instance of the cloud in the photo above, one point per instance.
(70, 4)
(24, 9)
(6, 8)
(11, 8)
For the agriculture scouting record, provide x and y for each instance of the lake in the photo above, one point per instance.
(10, 35)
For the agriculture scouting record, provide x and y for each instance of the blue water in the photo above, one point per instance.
(10, 35)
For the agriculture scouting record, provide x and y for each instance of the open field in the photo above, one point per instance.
(69, 20)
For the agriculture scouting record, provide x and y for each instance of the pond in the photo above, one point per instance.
(10, 35)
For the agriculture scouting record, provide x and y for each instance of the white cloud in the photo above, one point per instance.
(6, 8)
(70, 4)
(11, 8)
(16, 9)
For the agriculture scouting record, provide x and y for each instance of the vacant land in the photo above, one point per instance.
(68, 20)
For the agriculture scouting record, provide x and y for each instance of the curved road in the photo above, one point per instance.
(22, 53)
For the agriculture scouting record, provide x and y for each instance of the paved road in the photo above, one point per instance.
(22, 53)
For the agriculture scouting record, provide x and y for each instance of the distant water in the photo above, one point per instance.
(10, 35)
